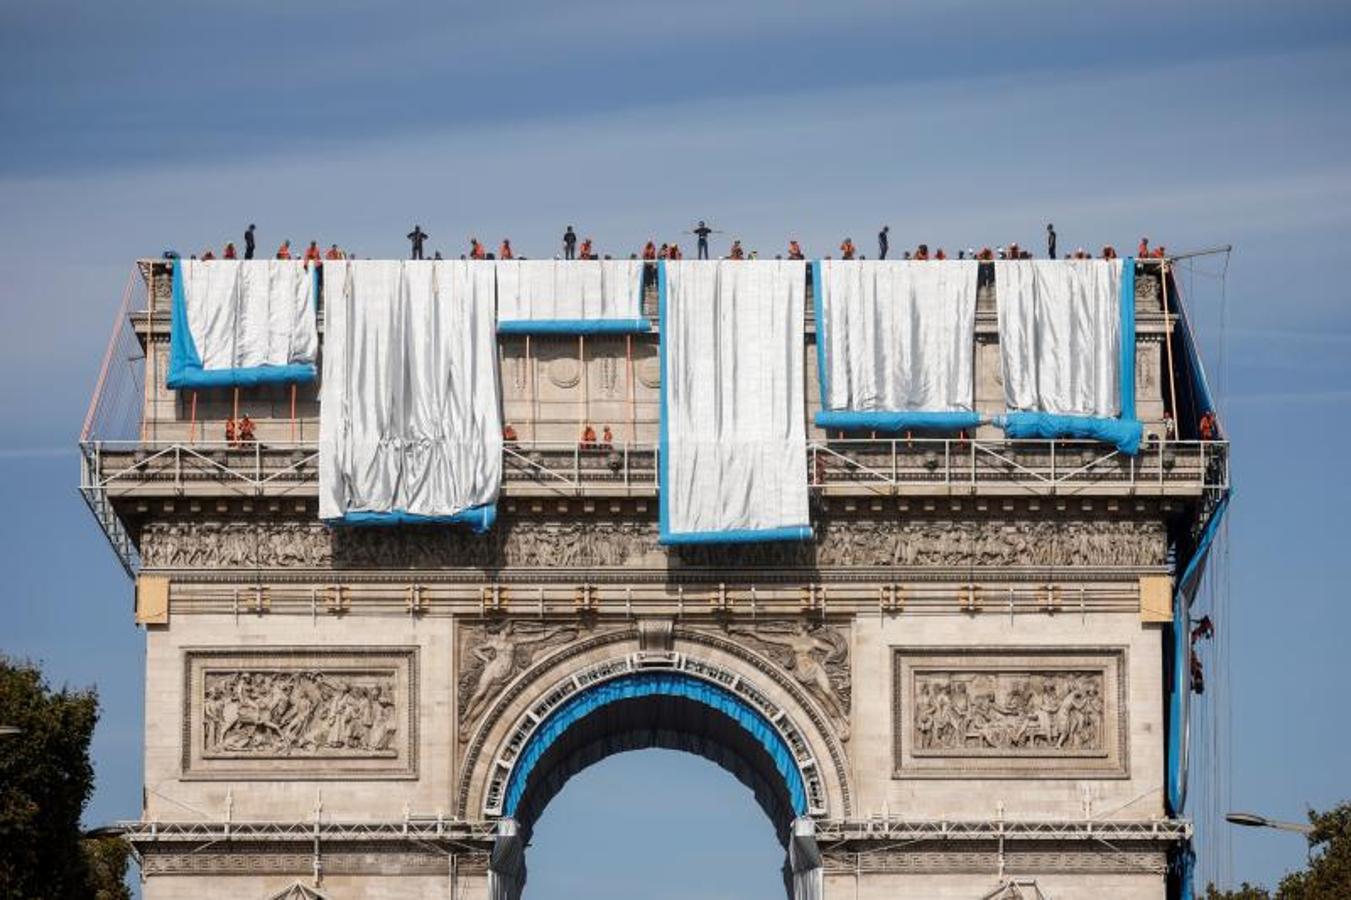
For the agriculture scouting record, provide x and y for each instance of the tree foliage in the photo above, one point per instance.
(1328, 876)
(45, 780)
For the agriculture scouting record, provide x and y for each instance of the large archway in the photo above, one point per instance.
(655, 700)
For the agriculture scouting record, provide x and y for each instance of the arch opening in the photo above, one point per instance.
(665, 709)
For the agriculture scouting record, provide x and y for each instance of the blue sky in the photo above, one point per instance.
(129, 128)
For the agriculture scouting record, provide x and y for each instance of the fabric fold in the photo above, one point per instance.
(896, 344)
(239, 323)
(410, 428)
(570, 296)
(733, 457)
(1067, 349)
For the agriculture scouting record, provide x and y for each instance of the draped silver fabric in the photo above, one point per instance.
(1060, 335)
(804, 861)
(899, 335)
(736, 435)
(246, 313)
(411, 416)
(506, 862)
(546, 289)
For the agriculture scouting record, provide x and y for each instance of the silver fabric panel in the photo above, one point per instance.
(1060, 335)
(410, 412)
(246, 313)
(900, 335)
(804, 861)
(733, 335)
(542, 289)
(506, 862)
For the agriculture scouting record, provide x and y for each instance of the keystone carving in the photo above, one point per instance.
(299, 714)
(615, 544)
(817, 655)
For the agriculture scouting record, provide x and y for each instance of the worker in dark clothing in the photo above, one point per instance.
(1050, 241)
(569, 244)
(883, 242)
(417, 236)
(248, 242)
(702, 231)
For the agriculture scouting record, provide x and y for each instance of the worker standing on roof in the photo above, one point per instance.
(735, 253)
(586, 250)
(1050, 240)
(476, 250)
(649, 251)
(229, 251)
(248, 241)
(883, 241)
(332, 252)
(504, 251)
(284, 251)
(569, 244)
(702, 231)
(418, 237)
(1143, 249)
(312, 254)
(847, 249)
(794, 250)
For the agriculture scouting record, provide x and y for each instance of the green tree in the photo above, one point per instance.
(1328, 876)
(45, 781)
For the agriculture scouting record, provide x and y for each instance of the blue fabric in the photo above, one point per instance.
(1125, 434)
(736, 536)
(479, 518)
(655, 684)
(185, 362)
(1180, 687)
(573, 326)
(688, 538)
(848, 420)
(1125, 431)
(1128, 340)
(873, 420)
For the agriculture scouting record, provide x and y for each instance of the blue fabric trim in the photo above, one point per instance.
(851, 420)
(735, 536)
(573, 326)
(1180, 686)
(1125, 434)
(185, 362)
(1127, 304)
(652, 684)
(663, 434)
(479, 518)
(819, 310)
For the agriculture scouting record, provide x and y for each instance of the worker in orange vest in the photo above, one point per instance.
(1143, 250)
(332, 252)
(736, 251)
(509, 434)
(476, 250)
(229, 251)
(208, 255)
(649, 251)
(794, 250)
(230, 431)
(588, 438)
(847, 249)
(312, 254)
(607, 437)
(941, 254)
(504, 251)
(585, 252)
(284, 251)
(922, 252)
(1159, 252)
(246, 430)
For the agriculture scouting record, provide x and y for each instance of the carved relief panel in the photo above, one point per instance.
(1015, 713)
(299, 713)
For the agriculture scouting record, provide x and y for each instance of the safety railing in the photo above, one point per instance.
(882, 466)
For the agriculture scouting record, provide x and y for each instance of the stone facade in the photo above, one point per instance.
(351, 703)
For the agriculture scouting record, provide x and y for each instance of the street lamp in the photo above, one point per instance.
(1253, 820)
(9, 730)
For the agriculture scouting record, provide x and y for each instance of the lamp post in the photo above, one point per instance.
(1253, 820)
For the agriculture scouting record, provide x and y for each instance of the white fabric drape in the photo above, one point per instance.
(247, 313)
(1060, 335)
(804, 861)
(410, 408)
(571, 290)
(899, 335)
(732, 336)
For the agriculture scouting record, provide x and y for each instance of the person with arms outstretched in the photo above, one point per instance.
(418, 237)
(702, 231)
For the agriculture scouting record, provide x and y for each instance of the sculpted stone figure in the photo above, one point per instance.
(1008, 711)
(500, 652)
(812, 652)
(298, 713)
